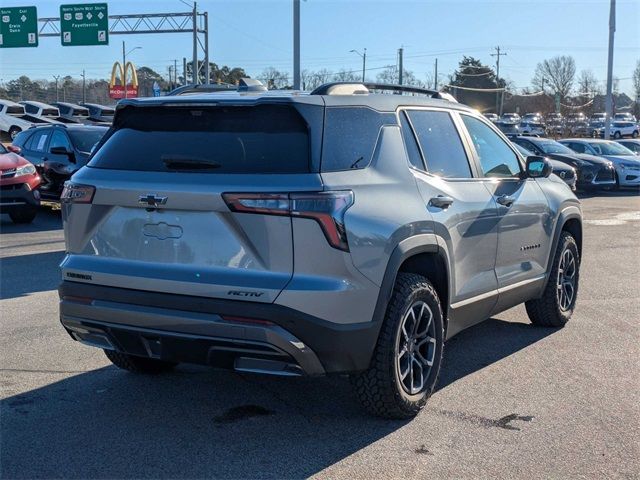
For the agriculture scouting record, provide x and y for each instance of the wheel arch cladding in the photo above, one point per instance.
(574, 227)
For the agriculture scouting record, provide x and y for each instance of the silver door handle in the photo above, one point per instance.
(505, 200)
(441, 201)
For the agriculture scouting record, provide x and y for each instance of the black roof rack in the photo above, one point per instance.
(363, 88)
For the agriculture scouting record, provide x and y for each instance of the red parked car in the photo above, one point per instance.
(19, 181)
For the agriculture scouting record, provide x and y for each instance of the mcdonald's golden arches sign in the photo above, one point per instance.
(128, 76)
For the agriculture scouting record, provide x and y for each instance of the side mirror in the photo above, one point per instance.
(14, 149)
(538, 167)
(62, 151)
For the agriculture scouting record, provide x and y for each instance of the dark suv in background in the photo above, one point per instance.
(57, 152)
(337, 232)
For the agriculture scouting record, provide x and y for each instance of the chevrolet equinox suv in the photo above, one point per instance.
(345, 231)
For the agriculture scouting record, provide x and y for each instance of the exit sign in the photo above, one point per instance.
(18, 27)
(84, 24)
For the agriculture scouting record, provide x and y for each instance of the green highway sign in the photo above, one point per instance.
(18, 27)
(84, 24)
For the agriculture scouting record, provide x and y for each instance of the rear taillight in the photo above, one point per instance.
(76, 193)
(326, 208)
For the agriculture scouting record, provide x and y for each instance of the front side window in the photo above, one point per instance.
(496, 157)
(441, 146)
(59, 139)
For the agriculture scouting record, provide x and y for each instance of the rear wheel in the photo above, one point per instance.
(407, 358)
(138, 364)
(13, 132)
(23, 216)
(555, 307)
(635, 134)
(617, 135)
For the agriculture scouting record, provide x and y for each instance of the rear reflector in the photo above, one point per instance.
(76, 193)
(231, 318)
(326, 208)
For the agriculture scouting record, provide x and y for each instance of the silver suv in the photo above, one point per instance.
(343, 231)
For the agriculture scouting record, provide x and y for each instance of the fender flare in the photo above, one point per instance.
(568, 213)
(407, 248)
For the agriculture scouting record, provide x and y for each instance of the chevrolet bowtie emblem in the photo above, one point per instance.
(151, 200)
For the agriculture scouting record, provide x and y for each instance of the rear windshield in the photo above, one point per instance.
(259, 139)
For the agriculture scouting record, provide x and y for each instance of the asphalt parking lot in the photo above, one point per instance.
(513, 401)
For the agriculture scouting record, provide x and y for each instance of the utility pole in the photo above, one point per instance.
(207, 71)
(56, 77)
(400, 67)
(84, 88)
(296, 44)
(498, 96)
(609, 99)
(184, 70)
(195, 77)
(435, 77)
(364, 60)
(175, 72)
(124, 70)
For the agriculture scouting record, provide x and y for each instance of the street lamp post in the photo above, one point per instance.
(124, 66)
(364, 60)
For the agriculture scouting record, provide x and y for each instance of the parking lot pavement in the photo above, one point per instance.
(513, 401)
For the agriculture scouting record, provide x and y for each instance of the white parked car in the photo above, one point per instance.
(13, 118)
(47, 112)
(632, 144)
(624, 129)
(530, 127)
(626, 163)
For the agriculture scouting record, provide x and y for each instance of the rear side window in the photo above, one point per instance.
(260, 139)
(440, 143)
(410, 142)
(38, 141)
(350, 136)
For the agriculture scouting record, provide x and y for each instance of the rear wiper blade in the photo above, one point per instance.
(183, 162)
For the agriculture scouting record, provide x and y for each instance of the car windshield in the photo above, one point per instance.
(612, 148)
(554, 147)
(522, 150)
(85, 140)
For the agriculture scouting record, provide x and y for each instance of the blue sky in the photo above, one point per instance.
(257, 34)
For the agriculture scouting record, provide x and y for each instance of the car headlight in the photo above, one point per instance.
(631, 166)
(27, 169)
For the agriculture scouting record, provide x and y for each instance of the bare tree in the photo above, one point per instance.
(636, 81)
(588, 84)
(274, 78)
(346, 76)
(558, 73)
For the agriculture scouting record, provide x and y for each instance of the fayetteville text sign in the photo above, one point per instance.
(85, 24)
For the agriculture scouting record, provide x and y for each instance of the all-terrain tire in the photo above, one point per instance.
(546, 311)
(379, 388)
(138, 364)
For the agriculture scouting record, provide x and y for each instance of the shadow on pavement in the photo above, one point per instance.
(623, 192)
(46, 220)
(198, 422)
(24, 274)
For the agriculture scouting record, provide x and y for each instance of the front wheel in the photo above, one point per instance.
(13, 132)
(635, 134)
(407, 358)
(23, 216)
(617, 135)
(555, 307)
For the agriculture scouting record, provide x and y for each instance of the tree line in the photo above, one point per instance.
(555, 80)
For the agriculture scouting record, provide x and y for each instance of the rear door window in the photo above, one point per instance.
(440, 143)
(38, 141)
(252, 139)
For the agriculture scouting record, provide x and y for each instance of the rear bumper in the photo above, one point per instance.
(18, 196)
(198, 330)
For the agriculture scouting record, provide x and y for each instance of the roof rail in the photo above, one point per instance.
(363, 88)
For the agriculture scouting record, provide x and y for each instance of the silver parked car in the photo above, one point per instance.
(341, 231)
(625, 161)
